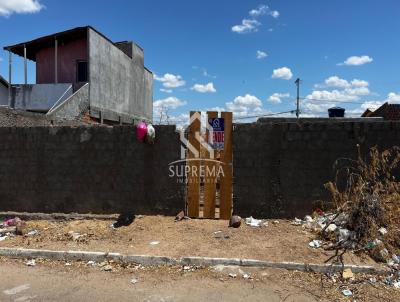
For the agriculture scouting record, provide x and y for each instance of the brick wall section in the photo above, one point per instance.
(88, 170)
(280, 168)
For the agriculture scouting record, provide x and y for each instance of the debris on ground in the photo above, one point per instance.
(134, 280)
(235, 221)
(347, 292)
(31, 262)
(180, 216)
(124, 219)
(253, 222)
(347, 274)
(32, 233)
(366, 215)
(154, 242)
(232, 275)
(315, 244)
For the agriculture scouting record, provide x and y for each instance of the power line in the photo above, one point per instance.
(263, 115)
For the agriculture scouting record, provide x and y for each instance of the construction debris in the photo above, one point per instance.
(366, 196)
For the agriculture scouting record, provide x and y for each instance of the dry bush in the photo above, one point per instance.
(369, 193)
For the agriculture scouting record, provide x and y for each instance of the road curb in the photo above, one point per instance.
(164, 260)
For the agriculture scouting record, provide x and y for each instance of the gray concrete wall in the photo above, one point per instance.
(73, 107)
(94, 169)
(40, 97)
(3, 95)
(280, 168)
(117, 82)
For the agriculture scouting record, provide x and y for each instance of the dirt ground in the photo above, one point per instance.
(80, 281)
(275, 242)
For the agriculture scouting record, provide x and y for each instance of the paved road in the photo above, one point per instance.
(55, 282)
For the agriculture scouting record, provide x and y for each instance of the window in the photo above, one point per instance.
(82, 71)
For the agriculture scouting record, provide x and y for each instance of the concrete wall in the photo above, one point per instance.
(88, 169)
(3, 95)
(40, 97)
(73, 107)
(280, 168)
(68, 55)
(117, 82)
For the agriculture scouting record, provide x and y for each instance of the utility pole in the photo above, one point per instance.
(298, 98)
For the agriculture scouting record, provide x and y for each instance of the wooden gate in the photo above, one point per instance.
(209, 191)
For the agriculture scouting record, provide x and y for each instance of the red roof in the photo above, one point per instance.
(387, 111)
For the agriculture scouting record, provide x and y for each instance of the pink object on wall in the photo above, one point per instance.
(141, 131)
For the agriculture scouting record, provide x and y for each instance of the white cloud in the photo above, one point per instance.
(261, 54)
(166, 90)
(275, 14)
(245, 105)
(393, 98)
(247, 26)
(357, 60)
(261, 10)
(204, 88)
(170, 80)
(359, 83)
(335, 81)
(282, 73)
(170, 103)
(251, 24)
(276, 98)
(9, 7)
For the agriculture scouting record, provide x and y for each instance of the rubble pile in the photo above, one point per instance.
(366, 198)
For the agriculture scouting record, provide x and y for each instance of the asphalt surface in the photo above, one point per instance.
(21, 283)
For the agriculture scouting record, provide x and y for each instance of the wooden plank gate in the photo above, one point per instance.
(209, 162)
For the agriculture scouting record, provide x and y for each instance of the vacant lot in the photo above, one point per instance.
(276, 242)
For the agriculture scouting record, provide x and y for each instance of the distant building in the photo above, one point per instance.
(81, 70)
(386, 111)
(3, 92)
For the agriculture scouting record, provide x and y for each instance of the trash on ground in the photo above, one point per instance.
(3, 238)
(31, 262)
(315, 244)
(68, 264)
(154, 242)
(235, 221)
(253, 222)
(32, 233)
(232, 275)
(134, 280)
(347, 292)
(246, 276)
(383, 231)
(124, 219)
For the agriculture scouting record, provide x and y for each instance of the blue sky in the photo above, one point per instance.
(240, 56)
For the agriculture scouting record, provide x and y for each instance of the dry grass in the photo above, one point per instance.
(366, 190)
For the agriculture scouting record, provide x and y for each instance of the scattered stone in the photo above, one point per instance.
(235, 221)
(232, 275)
(347, 274)
(218, 234)
(134, 280)
(275, 222)
(107, 268)
(68, 264)
(180, 216)
(246, 276)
